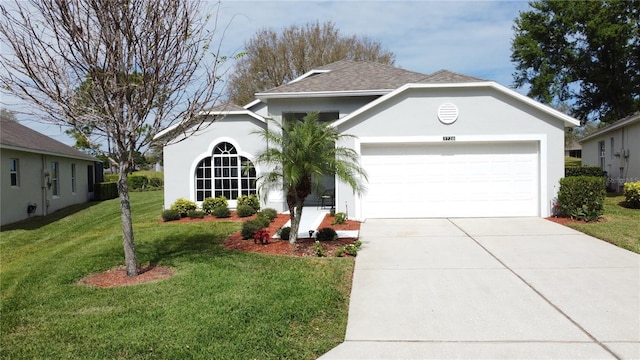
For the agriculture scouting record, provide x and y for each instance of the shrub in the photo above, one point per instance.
(155, 183)
(182, 206)
(284, 233)
(195, 214)
(209, 204)
(632, 194)
(261, 236)
(351, 249)
(221, 211)
(111, 177)
(584, 171)
(270, 213)
(107, 190)
(245, 210)
(250, 227)
(320, 252)
(170, 215)
(138, 182)
(250, 200)
(326, 234)
(339, 218)
(582, 197)
(263, 220)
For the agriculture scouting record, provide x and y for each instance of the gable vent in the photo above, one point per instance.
(447, 113)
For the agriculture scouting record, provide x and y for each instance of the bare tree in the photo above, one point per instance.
(274, 59)
(122, 68)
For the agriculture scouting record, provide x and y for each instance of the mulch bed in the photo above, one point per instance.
(304, 247)
(565, 221)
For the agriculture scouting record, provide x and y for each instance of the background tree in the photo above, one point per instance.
(300, 153)
(117, 69)
(583, 52)
(274, 59)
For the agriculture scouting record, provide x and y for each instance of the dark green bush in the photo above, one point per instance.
(250, 227)
(182, 206)
(211, 203)
(584, 171)
(170, 215)
(582, 197)
(221, 212)
(195, 214)
(284, 233)
(270, 213)
(155, 183)
(632, 194)
(250, 200)
(138, 182)
(107, 190)
(245, 210)
(265, 221)
(326, 234)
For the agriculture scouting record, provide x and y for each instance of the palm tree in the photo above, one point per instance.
(299, 153)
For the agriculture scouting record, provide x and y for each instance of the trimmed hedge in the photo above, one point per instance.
(249, 200)
(632, 194)
(138, 182)
(183, 206)
(326, 234)
(582, 197)
(244, 210)
(170, 215)
(250, 227)
(209, 204)
(107, 190)
(111, 177)
(584, 171)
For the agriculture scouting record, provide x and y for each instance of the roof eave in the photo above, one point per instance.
(317, 94)
(46, 152)
(631, 120)
(212, 113)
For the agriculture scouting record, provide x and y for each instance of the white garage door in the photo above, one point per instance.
(451, 180)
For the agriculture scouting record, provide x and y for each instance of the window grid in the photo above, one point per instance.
(73, 178)
(14, 170)
(55, 174)
(223, 174)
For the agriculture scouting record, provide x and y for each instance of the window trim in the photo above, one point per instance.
(55, 178)
(14, 172)
(222, 174)
(73, 179)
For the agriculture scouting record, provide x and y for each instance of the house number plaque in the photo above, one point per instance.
(448, 138)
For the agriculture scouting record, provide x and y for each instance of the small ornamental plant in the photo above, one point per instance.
(339, 218)
(261, 236)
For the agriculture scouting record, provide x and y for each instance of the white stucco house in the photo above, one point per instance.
(39, 174)
(616, 150)
(433, 145)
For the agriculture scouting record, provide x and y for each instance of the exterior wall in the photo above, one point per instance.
(620, 169)
(344, 106)
(32, 187)
(181, 158)
(484, 115)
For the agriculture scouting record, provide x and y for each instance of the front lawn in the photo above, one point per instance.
(221, 304)
(621, 226)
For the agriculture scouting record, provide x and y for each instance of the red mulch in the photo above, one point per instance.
(565, 221)
(304, 247)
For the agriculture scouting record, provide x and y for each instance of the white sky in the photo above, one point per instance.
(469, 37)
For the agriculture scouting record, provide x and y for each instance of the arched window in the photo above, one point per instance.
(225, 174)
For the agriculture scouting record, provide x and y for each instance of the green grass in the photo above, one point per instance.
(221, 304)
(621, 226)
(571, 161)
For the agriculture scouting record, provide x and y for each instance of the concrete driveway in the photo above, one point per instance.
(490, 288)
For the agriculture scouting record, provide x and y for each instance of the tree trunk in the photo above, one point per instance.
(130, 258)
(295, 222)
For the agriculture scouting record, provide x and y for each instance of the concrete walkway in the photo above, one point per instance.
(522, 288)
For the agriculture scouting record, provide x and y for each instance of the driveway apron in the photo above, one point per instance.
(499, 288)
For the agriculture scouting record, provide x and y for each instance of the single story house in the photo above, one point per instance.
(39, 174)
(433, 145)
(616, 150)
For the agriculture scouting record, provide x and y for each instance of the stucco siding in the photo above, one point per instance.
(621, 154)
(181, 158)
(483, 116)
(32, 189)
(344, 106)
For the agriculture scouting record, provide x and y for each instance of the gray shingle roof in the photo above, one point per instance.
(18, 136)
(365, 76)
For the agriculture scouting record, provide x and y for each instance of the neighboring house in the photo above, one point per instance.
(573, 149)
(616, 150)
(438, 145)
(40, 175)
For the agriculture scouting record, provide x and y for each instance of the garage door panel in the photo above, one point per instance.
(451, 180)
